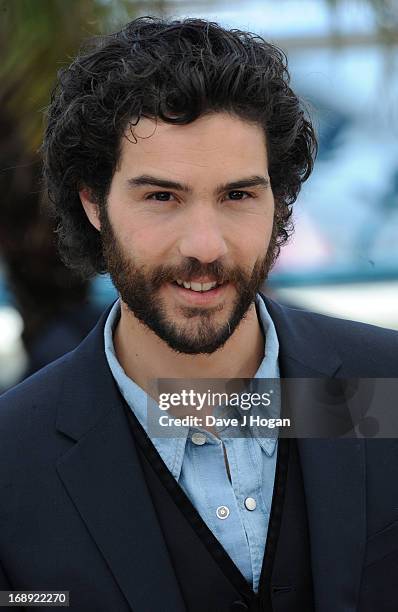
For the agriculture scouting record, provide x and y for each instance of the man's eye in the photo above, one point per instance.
(238, 195)
(160, 196)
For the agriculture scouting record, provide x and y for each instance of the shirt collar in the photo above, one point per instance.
(172, 449)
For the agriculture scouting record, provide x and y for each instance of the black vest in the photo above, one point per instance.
(208, 579)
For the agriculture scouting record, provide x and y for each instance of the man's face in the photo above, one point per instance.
(190, 203)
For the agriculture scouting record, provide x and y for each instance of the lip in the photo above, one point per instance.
(199, 298)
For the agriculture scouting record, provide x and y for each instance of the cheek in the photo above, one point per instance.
(146, 243)
(257, 234)
(139, 235)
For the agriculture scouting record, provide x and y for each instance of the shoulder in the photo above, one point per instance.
(346, 332)
(40, 393)
(36, 398)
(343, 327)
(41, 416)
(29, 441)
(302, 320)
(372, 349)
(365, 350)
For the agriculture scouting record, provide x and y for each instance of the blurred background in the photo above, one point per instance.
(342, 259)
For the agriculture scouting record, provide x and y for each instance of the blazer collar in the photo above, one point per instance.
(304, 348)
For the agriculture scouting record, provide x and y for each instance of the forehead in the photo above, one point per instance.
(205, 145)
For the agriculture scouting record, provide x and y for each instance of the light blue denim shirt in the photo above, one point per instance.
(200, 468)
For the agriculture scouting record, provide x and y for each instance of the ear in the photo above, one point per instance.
(90, 206)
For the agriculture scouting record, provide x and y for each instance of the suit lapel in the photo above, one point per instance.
(104, 479)
(333, 472)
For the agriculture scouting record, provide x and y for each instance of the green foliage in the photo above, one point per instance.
(37, 38)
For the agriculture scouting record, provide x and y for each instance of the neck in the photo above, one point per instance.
(144, 356)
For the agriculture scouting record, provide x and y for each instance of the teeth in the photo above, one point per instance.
(207, 286)
(197, 286)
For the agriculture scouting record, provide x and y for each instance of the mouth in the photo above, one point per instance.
(197, 286)
(196, 293)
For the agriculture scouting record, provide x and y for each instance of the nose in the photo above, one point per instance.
(202, 236)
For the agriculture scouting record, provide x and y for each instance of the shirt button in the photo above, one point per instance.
(222, 512)
(198, 438)
(250, 503)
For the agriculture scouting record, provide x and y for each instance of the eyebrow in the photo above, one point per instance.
(148, 180)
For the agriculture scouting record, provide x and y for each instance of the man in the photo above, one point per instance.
(173, 154)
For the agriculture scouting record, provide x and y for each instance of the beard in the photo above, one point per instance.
(139, 288)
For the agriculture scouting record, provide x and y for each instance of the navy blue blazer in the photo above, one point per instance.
(75, 513)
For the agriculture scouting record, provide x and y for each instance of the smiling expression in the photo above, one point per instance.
(189, 204)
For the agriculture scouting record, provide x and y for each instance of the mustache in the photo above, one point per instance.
(194, 268)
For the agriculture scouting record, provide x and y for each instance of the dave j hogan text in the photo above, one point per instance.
(247, 420)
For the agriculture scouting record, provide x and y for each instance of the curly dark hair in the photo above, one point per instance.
(175, 70)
